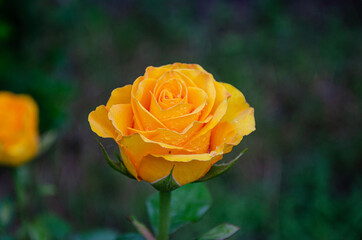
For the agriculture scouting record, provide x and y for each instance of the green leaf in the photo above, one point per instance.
(130, 236)
(218, 169)
(223, 231)
(104, 234)
(166, 184)
(118, 166)
(141, 228)
(48, 226)
(7, 210)
(188, 204)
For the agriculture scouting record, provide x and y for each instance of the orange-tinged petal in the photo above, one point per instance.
(122, 117)
(154, 168)
(175, 111)
(221, 134)
(143, 92)
(157, 72)
(143, 118)
(204, 81)
(137, 146)
(187, 66)
(120, 96)
(221, 95)
(199, 144)
(170, 137)
(178, 124)
(236, 103)
(197, 97)
(219, 113)
(100, 124)
(129, 165)
(175, 74)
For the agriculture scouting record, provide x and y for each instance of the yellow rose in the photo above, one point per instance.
(18, 128)
(174, 116)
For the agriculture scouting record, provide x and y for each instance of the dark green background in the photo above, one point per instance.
(299, 64)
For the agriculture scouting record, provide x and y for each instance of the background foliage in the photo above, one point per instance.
(298, 64)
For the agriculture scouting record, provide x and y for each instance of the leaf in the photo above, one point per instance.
(188, 204)
(166, 184)
(141, 228)
(118, 166)
(218, 169)
(7, 210)
(130, 236)
(104, 234)
(223, 231)
(48, 226)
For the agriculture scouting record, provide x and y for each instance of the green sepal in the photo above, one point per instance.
(141, 228)
(166, 184)
(218, 169)
(221, 232)
(118, 166)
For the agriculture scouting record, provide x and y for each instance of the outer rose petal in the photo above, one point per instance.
(122, 117)
(154, 168)
(100, 124)
(120, 96)
(221, 134)
(137, 146)
(236, 103)
(244, 123)
(157, 72)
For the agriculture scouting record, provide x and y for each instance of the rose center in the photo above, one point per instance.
(170, 93)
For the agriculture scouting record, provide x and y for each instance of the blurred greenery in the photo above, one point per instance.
(298, 64)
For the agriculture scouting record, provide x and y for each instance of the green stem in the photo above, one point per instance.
(164, 219)
(20, 194)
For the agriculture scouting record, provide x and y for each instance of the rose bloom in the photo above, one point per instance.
(174, 116)
(18, 128)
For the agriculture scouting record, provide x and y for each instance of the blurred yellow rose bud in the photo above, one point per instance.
(175, 117)
(18, 128)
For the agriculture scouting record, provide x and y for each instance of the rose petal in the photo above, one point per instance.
(219, 113)
(129, 165)
(178, 124)
(137, 146)
(187, 66)
(100, 124)
(170, 137)
(197, 97)
(221, 95)
(154, 168)
(244, 123)
(204, 81)
(120, 96)
(157, 72)
(221, 134)
(143, 91)
(199, 144)
(143, 118)
(175, 111)
(236, 103)
(122, 117)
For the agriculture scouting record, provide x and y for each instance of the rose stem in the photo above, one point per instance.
(18, 175)
(164, 217)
